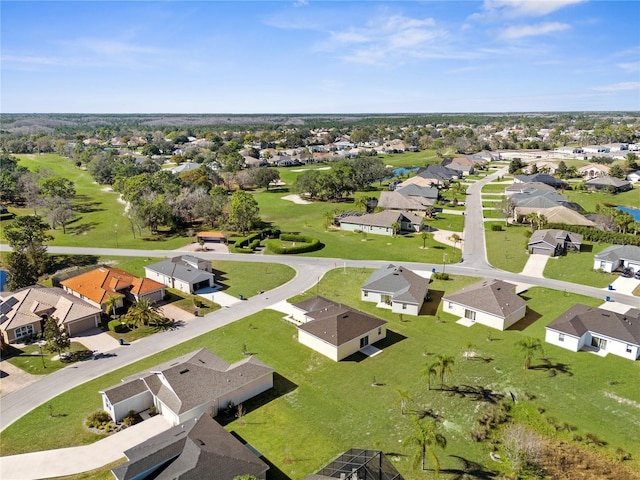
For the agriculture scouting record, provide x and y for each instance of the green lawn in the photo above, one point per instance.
(334, 406)
(492, 212)
(100, 219)
(30, 359)
(578, 267)
(588, 201)
(507, 250)
(447, 221)
(494, 188)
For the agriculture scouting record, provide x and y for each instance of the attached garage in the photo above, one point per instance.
(83, 325)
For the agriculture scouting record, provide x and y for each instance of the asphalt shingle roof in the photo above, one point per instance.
(619, 252)
(580, 319)
(496, 297)
(399, 282)
(181, 268)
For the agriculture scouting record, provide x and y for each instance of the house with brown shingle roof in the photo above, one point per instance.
(337, 331)
(493, 303)
(381, 223)
(595, 329)
(97, 286)
(22, 313)
(183, 388)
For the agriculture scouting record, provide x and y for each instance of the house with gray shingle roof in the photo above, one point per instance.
(609, 259)
(493, 303)
(542, 178)
(590, 328)
(22, 313)
(382, 223)
(198, 448)
(413, 190)
(185, 387)
(186, 273)
(612, 184)
(396, 288)
(553, 242)
(404, 203)
(337, 331)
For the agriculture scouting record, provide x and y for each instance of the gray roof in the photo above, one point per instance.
(496, 297)
(382, 219)
(397, 201)
(27, 306)
(438, 172)
(413, 190)
(197, 449)
(315, 304)
(197, 378)
(399, 282)
(554, 237)
(529, 186)
(542, 178)
(181, 268)
(542, 199)
(125, 391)
(580, 319)
(339, 324)
(607, 180)
(619, 252)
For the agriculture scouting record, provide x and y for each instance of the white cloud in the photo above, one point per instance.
(520, 31)
(618, 87)
(300, 3)
(527, 8)
(630, 66)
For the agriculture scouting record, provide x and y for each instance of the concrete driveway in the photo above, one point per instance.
(535, 265)
(624, 285)
(13, 378)
(97, 340)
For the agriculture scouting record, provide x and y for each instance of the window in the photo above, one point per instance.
(404, 306)
(24, 331)
(629, 348)
(470, 314)
(561, 337)
(379, 330)
(365, 294)
(450, 305)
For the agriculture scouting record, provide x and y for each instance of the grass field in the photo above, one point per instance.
(578, 267)
(507, 250)
(588, 200)
(494, 188)
(30, 359)
(334, 406)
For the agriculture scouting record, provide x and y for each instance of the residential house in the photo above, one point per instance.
(337, 331)
(484, 156)
(590, 328)
(381, 223)
(542, 178)
(185, 387)
(313, 304)
(557, 214)
(396, 288)
(493, 303)
(404, 203)
(609, 259)
(531, 187)
(186, 273)
(22, 313)
(611, 184)
(462, 165)
(594, 170)
(196, 449)
(185, 167)
(358, 464)
(413, 190)
(99, 285)
(542, 199)
(545, 167)
(634, 177)
(438, 175)
(553, 242)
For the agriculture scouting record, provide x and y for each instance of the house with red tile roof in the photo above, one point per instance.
(97, 286)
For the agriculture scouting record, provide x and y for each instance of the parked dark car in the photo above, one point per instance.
(626, 272)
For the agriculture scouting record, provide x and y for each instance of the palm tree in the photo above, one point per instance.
(111, 305)
(143, 312)
(443, 366)
(531, 219)
(529, 346)
(403, 399)
(428, 372)
(424, 236)
(328, 217)
(396, 228)
(455, 238)
(361, 203)
(424, 437)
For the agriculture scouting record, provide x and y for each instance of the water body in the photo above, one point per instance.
(634, 212)
(404, 171)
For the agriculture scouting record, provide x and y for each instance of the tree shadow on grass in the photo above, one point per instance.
(469, 469)
(60, 262)
(530, 317)
(553, 367)
(477, 393)
(81, 229)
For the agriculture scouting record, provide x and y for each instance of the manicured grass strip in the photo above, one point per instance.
(446, 221)
(329, 405)
(589, 201)
(494, 188)
(578, 267)
(30, 359)
(507, 250)
(492, 213)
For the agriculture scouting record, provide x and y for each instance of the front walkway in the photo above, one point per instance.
(74, 460)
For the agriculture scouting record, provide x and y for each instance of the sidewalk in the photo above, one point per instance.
(74, 460)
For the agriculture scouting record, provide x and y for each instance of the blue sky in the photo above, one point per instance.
(319, 56)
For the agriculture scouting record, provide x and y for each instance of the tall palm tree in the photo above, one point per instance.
(531, 219)
(443, 366)
(403, 399)
(529, 346)
(424, 236)
(111, 305)
(361, 203)
(424, 437)
(396, 228)
(428, 372)
(143, 312)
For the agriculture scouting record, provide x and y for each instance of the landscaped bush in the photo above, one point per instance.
(595, 235)
(98, 419)
(118, 327)
(247, 244)
(496, 228)
(440, 276)
(307, 244)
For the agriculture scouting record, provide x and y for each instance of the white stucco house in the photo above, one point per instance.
(609, 259)
(493, 303)
(337, 331)
(595, 329)
(185, 387)
(634, 177)
(382, 223)
(186, 273)
(396, 288)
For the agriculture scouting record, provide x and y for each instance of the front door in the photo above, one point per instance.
(364, 341)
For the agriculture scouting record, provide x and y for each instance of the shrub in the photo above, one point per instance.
(118, 327)
(98, 419)
(247, 244)
(307, 244)
(496, 228)
(440, 276)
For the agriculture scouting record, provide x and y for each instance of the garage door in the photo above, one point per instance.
(81, 326)
(541, 251)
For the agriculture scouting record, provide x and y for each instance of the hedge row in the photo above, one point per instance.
(307, 244)
(597, 235)
(118, 327)
(247, 244)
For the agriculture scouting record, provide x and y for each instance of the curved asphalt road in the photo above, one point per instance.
(309, 271)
